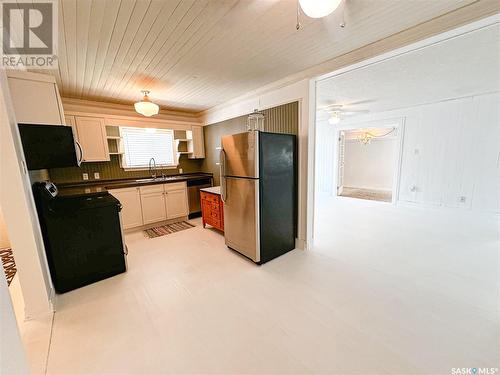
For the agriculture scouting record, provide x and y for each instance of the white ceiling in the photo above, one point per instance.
(194, 54)
(463, 66)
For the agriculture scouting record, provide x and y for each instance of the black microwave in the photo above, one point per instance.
(49, 146)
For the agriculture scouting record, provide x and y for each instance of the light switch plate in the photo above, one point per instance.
(85, 176)
(96, 175)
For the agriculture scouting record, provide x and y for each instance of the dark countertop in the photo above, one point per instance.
(94, 188)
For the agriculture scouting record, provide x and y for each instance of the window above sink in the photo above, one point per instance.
(142, 144)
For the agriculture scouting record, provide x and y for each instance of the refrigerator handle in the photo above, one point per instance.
(222, 159)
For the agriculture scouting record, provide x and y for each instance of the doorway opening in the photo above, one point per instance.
(367, 162)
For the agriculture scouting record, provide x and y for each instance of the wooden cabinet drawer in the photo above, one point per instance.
(175, 186)
(158, 188)
(212, 210)
(209, 197)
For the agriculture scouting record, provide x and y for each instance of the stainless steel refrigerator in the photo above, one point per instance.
(259, 191)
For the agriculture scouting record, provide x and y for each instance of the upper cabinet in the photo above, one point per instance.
(196, 143)
(91, 134)
(35, 98)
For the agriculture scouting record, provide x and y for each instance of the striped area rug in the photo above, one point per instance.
(9, 265)
(167, 229)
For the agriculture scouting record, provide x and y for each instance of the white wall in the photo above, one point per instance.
(4, 236)
(12, 357)
(19, 212)
(450, 150)
(369, 166)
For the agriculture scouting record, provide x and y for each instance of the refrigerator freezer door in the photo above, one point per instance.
(241, 216)
(241, 155)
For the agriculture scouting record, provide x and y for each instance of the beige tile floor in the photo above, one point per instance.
(375, 297)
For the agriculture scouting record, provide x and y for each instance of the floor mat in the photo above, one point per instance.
(9, 265)
(167, 229)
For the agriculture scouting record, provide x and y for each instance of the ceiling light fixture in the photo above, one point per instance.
(146, 107)
(334, 118)
(319, 8)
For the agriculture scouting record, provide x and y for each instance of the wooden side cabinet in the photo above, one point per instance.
(212, 210)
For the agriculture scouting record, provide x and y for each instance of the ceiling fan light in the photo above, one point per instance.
(319, 8)
(146, 107)
(334, 118)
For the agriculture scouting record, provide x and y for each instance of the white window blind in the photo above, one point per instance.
(142, 144)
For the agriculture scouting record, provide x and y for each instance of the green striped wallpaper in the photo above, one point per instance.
(110, 170)
(281, 119)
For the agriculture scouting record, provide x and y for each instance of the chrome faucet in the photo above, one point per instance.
(152, 167)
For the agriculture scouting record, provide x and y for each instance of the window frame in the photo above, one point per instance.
(123, 159)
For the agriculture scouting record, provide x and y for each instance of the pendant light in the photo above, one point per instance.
(319, 8)
(146, 107)
(334, 118)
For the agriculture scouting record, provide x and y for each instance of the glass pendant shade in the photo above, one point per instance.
(319, 8)
(145, 107)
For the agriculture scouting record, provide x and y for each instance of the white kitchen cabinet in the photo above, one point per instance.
(91, 133)
(176, 201)
(131, 213)
(35, 97)
(153, 204)
(196, 145)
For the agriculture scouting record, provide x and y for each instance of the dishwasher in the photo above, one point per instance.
(194, 187)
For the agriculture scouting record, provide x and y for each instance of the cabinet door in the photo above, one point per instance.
(198, 143)
(35, 102)
(91, 132)
(153, 207)
(176, 203)
(130, 199)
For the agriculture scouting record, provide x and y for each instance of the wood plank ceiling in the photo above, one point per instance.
(194, 54)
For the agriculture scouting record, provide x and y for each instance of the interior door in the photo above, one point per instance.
(240, 155)
(341, 159)
(241, 222)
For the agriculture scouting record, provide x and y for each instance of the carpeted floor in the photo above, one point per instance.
(368, 194)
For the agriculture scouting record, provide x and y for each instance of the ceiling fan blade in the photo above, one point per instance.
(350, 113)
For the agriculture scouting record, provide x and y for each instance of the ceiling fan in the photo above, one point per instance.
(337, 112)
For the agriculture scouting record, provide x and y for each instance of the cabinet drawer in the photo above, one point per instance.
(213, 222)
(158, 188)
(175, 186)
(215, 213)
(209, 197)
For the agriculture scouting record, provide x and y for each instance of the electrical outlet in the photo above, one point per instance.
(180, 170)
(96, 175)
(462, 199)
(85, 176)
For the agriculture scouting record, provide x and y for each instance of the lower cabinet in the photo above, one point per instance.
(212, 210)
(176, 202)
(152, 203)
(131, 213)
